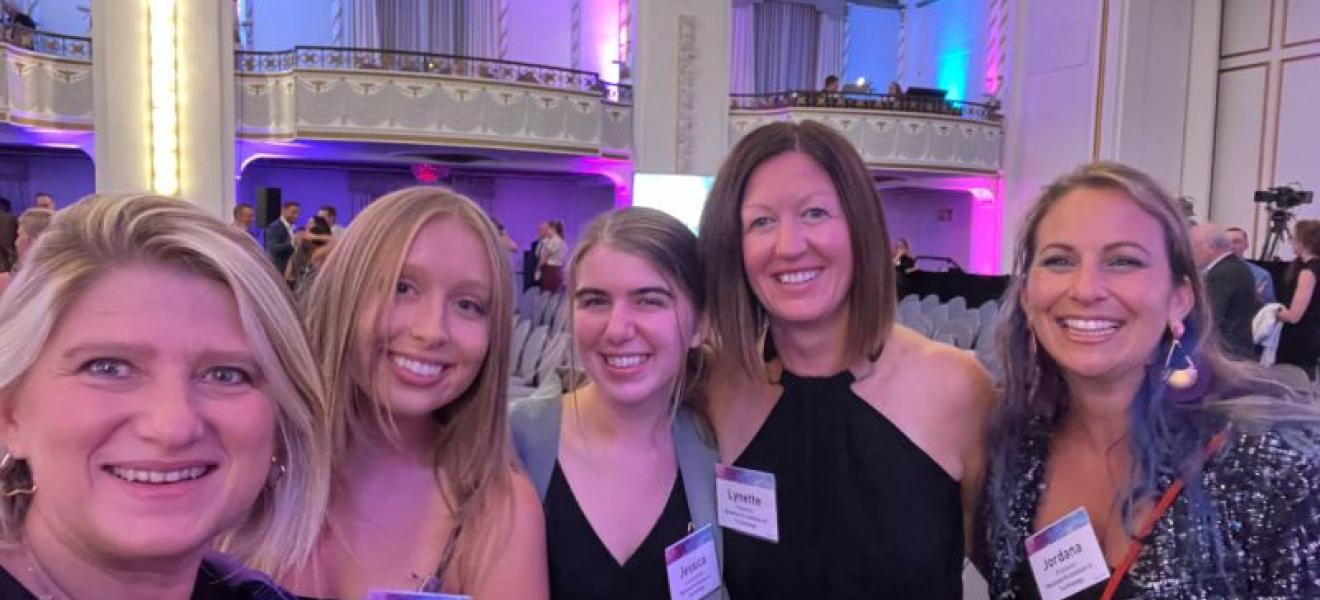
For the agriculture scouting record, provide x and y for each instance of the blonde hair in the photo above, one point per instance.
(101, 233)
(472, 452)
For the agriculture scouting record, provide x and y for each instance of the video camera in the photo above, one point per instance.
(1284, 196)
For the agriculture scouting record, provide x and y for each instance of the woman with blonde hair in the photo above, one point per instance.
(157, 396)
(31, 224)
(410, 318)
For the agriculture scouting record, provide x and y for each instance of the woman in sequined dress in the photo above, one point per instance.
(1101, 411)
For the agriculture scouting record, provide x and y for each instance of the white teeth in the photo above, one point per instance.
(417, 367)
(798, 277)
(149, 476)
(623, 362)
(1090, 324)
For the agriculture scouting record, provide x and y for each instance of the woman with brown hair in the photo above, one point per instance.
(410, 319)
(866, 435)
(1299, 342)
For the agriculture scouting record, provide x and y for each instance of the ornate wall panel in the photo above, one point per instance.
(45, 91)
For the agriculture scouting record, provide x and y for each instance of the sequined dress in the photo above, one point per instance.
(1264, 486)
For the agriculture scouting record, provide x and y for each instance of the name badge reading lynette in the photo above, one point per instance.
(694, 570)
(1066, 557)
(745, 502)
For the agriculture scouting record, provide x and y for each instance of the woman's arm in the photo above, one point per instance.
(1301, 298)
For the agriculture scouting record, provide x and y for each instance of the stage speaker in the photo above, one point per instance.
(268, 205)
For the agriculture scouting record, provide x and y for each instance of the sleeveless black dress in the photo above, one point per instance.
(582, 568)
(1299, 343)
(863, 512)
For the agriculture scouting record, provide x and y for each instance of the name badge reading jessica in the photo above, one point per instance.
(745, 501)
(694, 571)
(404, 595)
(1065, 557)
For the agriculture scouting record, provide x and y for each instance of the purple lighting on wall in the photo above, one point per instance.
(986, 218)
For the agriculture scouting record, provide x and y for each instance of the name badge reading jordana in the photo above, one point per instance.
(1065, 557)
(694, 569)
(745, 502)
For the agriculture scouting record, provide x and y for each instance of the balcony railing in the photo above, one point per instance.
(320, 57)
(861, 101)
(54, 44)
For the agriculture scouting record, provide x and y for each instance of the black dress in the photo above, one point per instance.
(216, 580)
(863, 512)
(582, 568)
(1299, 343)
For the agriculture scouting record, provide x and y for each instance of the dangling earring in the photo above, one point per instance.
(1182, 378)
(8, 462)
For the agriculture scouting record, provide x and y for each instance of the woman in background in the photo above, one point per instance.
(1299, 342)
(410, 319)
(31, 224)
(550, 257)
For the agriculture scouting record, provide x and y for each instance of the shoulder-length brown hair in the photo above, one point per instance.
(738, 319)
(472, 455)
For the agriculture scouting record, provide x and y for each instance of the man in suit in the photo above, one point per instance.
(279, 236)
(1230, 285)
(1237, 236)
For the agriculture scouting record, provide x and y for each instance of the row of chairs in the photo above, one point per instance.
(953, 323)
(540, 344)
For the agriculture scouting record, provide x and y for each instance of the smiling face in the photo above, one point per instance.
(631, 325)
(143, 419)
(1100, 292)
(797, 250)
(437, 326)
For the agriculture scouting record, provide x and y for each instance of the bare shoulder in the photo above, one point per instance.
(947, 376)
(526, 503)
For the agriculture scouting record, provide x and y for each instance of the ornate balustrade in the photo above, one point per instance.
(898, 131)
(410, 97)
(47, 79)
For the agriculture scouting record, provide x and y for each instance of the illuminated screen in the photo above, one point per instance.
(682, 196)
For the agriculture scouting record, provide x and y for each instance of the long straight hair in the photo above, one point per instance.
(738, 319)
(473, 459)
(1164, 435)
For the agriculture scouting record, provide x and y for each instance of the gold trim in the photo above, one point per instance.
(30, 122)
(313, 134)
(1269, 35)
(1283, 35)
(1096, 131)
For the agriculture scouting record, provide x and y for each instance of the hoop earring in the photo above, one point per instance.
(7, 463)
(1181, 378)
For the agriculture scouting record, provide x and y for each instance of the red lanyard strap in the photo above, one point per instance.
(1162, 507)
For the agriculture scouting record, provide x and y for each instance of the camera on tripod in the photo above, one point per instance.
(1284, 196)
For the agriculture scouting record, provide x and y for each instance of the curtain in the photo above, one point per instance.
(787, 36)
(363, 24)
(829, 46)
(481, 29)
(743, 49)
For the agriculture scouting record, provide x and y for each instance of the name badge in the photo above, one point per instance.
(402, 595)
(745, 502)
(694, 570)
(1065, 557)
